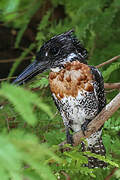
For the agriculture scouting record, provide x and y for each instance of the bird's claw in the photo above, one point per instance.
(69, 139)
(83, 128)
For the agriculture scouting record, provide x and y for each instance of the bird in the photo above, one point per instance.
(77, 88)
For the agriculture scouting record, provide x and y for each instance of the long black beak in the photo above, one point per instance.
(32, 70)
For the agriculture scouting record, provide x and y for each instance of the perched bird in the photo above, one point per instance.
(77, 88)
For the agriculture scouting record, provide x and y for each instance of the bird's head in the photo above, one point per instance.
(53, 55)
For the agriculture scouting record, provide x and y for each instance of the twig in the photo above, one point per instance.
(111, 174)
(7, 120)
(98, 121)
(5, 79)
(12, 60)
(109, 91)
(24, 49)
(66, 175)
(112, 85)
(108, 62)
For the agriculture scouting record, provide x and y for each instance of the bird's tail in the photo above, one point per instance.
(97, 148)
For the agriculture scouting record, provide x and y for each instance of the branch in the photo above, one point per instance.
(108, 62)
(13, 60)
(112, 85)
(8, 78)
(98, 121)
(111, 174)
(66, 175)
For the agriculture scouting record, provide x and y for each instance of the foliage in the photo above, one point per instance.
(12, 93)
(22, 156)
(31, 128)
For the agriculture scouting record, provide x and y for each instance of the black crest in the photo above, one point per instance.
(59, 47)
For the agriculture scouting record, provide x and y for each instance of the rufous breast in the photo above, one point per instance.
(74, 77)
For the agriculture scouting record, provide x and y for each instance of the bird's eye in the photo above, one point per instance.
(54, 51)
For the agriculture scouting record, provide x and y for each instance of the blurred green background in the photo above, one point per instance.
(30, 125)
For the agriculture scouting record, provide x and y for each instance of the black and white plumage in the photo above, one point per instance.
(78, 109)
(78, 89)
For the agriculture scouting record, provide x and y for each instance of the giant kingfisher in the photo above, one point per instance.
(77, 88)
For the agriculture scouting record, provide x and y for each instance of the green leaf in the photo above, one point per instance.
(20, 151)
(11, 7)
(40, 82)
(110, 69)
(102, 158)
(23, 100)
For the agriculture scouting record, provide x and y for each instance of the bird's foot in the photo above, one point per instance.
(84, 126)
(69, 137)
